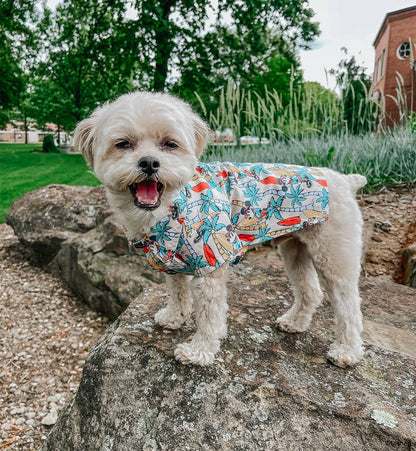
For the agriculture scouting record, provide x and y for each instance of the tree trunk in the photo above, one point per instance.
(164, 44)
(25, 120)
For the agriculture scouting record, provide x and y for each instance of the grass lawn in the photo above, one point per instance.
(22, 170)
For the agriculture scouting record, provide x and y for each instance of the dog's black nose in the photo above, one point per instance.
(149, 165)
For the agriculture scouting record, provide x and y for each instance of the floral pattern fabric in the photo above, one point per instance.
(228, 206)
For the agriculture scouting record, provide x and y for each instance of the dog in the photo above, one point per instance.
(145, 147)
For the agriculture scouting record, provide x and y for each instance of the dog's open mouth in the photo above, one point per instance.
(147, 193)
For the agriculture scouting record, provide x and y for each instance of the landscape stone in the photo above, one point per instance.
(72, 230)
(100, 268)
(266, 390)
(44, 218)
(409, 265)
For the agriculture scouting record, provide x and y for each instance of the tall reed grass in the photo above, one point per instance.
(311, 110)
(311, 131)
(386, 160)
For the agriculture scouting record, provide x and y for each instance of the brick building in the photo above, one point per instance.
(395, 53)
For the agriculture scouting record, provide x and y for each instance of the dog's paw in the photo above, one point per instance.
(190, 353)
(343, 355)
(291, 325)
(171, 319)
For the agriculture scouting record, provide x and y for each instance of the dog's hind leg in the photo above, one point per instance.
(338, 266)
(302, 275)
(179, 307)
(210, 303)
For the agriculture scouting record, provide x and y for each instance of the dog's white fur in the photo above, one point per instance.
(325, 255)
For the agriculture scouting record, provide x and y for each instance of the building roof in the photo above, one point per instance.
(17, 125)
(387, 19)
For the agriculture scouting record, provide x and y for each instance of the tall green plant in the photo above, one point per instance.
(310, 110)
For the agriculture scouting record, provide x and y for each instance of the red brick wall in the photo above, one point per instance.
(399, 28)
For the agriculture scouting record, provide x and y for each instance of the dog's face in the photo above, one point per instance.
(143, 147)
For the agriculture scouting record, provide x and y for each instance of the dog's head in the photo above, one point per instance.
(143, 147)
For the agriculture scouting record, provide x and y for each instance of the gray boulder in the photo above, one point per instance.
(44, 218)
(100, 268)
(409, 257)
(72, 230)
(409, 265)
(267, 390)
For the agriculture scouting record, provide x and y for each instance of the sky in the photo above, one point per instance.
(353, 24)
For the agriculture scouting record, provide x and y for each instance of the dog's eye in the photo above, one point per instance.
(123, 145)
(170, 145)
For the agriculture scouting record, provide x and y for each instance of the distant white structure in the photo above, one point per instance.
(14, 133)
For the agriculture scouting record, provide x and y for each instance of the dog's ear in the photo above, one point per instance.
(84, 139)
(201, 134)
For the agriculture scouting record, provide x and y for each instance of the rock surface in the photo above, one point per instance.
(409, 257)
(44, 218)
(267, 389)
(99, 267)
(73, 231)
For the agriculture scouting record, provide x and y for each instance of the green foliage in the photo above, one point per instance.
(48, 144)
(385, 159)
(311, 109)
(355, 86)
(322, 159)
(85, 53)
(22, 170)
(89, 60)
(249, 53)
(259, 31)
(16, 41)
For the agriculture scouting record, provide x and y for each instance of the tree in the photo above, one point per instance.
(90, 60)
(173, 34)
(94, 52)
(268, 63)
(355, 86)
(16, 38)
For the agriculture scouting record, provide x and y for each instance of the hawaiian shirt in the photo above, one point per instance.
(228, 206)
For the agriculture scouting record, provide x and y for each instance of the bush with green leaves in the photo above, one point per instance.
(49, 144)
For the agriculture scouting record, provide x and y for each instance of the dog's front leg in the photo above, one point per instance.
(210, 303)
(179, 307)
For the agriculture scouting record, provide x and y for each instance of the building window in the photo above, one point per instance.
(404, 50)
(380, 66)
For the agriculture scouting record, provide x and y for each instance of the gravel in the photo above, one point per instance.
(45, 336)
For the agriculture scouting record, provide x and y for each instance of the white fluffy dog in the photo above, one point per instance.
(144, 147)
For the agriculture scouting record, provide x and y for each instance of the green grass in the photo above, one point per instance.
(22, 171)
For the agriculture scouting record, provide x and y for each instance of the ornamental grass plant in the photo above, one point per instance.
(311, 131)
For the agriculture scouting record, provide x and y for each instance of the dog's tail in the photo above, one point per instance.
(356, 181)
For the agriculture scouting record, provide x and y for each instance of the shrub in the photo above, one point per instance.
(49, 144)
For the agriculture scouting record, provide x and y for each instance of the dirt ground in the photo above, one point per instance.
(390, 225)
(46, 332)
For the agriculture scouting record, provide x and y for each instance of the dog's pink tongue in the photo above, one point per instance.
(147, 192)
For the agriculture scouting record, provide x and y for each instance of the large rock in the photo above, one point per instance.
(267, 390)
(72, 230)
(44, 218)
(100, 268)
(409, 257)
